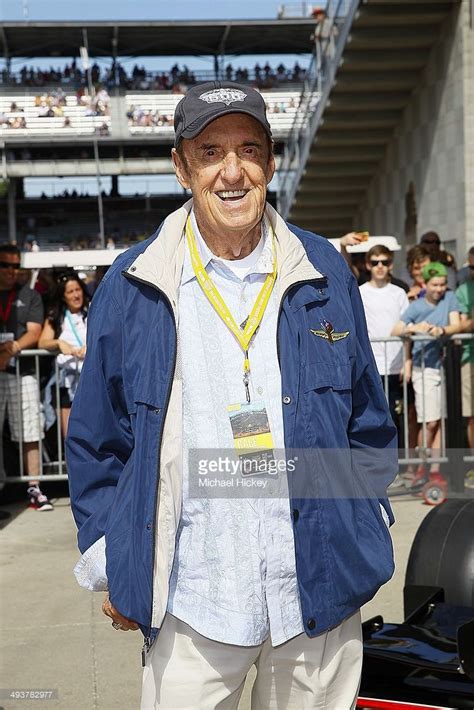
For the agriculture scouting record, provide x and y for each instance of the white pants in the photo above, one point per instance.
(188, 671)
(430, 400)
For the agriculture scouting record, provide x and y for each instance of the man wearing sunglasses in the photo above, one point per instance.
(384, 303)
(21, 319)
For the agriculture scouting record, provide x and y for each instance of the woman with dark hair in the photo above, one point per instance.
(65, 331)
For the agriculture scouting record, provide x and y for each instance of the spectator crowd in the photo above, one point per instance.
(432, 300)
(140, 79)
(53, 104)
(141, 116)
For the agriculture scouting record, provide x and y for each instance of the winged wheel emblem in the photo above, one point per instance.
(328, 333)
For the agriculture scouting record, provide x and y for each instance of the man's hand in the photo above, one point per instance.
(10, 347)
(414, 292)
(436, 330)
(4, 359)
(117, 618)
(422, 328)
(351, 239)
(66, 348)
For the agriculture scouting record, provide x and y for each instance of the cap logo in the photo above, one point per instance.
(224, 96)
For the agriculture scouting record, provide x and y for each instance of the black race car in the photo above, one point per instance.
(428, 660)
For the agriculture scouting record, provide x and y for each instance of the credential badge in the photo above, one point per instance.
(224, 96)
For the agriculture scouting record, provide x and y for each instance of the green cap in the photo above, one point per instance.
(434, 270)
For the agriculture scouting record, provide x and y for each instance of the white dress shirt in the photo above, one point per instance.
(234, 573)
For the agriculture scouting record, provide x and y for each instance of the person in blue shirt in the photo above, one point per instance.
(437, 314)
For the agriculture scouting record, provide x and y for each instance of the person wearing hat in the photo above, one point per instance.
(437, 314)
(228, 366)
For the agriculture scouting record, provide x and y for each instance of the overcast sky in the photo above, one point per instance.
(138, 9)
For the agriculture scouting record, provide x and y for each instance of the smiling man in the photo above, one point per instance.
(232, 335)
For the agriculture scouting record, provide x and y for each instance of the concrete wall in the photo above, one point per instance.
(433, 146)
(468, 59)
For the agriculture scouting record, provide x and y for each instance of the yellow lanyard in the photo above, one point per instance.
(245, 335)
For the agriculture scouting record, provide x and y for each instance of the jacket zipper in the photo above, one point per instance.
(147, 641)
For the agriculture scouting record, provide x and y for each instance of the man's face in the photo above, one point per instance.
(436, 288)
(416, 271)
(227, 167)
(379, 266)
(9, 265)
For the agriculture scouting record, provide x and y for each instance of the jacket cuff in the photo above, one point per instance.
(90, 570)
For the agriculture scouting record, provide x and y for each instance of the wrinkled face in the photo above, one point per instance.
(436, 288)
(379, 266)
(73, 296)
(9, 265)
(416, 271)
(227, 167)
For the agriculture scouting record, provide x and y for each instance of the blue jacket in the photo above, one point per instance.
(336, 423)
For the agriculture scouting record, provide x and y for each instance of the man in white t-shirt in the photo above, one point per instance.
(384, 304)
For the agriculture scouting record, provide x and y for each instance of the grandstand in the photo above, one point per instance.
(282, 107)
(375, 133)
(50, 120)
(32, 117)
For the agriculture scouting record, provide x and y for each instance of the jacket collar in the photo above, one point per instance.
(264, 263)
(161, 263)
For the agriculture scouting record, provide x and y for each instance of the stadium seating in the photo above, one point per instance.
(79, 122)
(281, 105)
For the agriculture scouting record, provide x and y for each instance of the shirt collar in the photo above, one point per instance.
(264, 264)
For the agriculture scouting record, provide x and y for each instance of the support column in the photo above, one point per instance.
(114, 192)
(12, 211)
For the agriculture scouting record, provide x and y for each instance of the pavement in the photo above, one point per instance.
(55, 637)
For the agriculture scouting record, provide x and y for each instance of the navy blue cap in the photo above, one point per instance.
(203, 103)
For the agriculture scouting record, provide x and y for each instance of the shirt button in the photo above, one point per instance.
(296, 515)
(260, 390)
(286, 399)
(311, 624)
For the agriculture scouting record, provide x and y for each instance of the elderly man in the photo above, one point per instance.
(230, 330)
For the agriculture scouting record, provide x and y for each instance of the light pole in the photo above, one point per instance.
(87, 68)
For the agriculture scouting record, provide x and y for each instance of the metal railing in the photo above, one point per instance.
(329, 45)
(49, 469)
(424, 339)
(55, 468)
